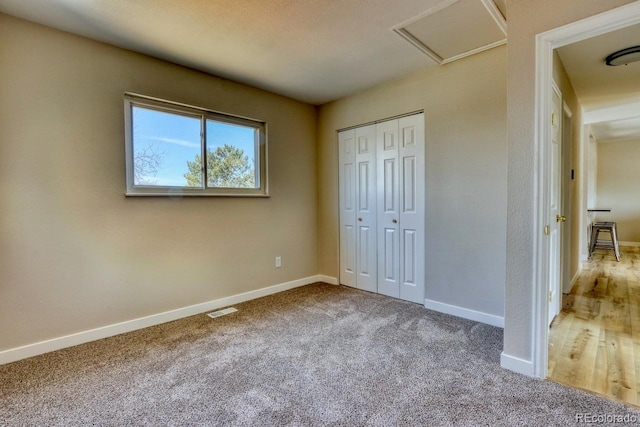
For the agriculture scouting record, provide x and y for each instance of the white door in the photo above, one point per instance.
(366, 242)
(347, 194)
(401, 192)
(358, 244)
(388, 209)
(411, 158)
(555, 216)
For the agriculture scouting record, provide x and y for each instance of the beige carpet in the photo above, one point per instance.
(320, 355)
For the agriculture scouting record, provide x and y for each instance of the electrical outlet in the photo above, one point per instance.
(278, 262)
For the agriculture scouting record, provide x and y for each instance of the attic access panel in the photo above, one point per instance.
(456, 29)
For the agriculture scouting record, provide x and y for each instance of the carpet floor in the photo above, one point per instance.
(320, 355)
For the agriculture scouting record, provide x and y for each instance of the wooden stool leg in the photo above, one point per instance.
(614, 240)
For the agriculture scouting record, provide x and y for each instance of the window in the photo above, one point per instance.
(166, 143)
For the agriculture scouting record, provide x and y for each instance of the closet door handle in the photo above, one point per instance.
(360, 219)
(395, 221)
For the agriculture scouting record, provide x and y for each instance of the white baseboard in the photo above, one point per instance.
(515, 364)
(465, 313)
(30, 350)
(327, 279)
(574, 279)
(628, 243)
(575, 276)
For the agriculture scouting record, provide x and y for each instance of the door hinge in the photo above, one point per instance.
(547, 230)
(550, 296)
(553, 119)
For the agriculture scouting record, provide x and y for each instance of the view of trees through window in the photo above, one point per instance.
(227, 167)
(167, 151)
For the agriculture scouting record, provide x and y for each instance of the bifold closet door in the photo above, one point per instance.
(347, 194)
(401, 204)
(382, 205)
(411, 155)
(358, 242)
(388, 209)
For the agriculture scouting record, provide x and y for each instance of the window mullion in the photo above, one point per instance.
(203, 146)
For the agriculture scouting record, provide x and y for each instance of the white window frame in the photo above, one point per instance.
(134, 100)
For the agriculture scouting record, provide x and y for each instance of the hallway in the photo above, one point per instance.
(594, 343)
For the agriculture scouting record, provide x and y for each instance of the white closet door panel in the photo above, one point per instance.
(365, 235)
(409, 249)
(366, 249)
(409, 185)
(388, 267)
(411, 156)
(348, 241)
(388, 208)
(389, 178)
(389, 255)
(347, 180)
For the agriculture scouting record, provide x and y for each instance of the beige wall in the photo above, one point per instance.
(619, 187)
(526, 19)
(592, 169)
(465, 114)
(75, 253)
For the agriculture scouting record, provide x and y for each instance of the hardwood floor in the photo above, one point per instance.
(594, 343)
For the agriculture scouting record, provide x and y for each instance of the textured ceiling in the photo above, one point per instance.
(320, 50)
(312, 50)
(610, 96)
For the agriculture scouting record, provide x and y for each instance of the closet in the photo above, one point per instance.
(382, 207)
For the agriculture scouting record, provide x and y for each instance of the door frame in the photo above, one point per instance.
(546, 42)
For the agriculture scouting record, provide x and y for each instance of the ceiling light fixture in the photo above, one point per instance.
(624, 56)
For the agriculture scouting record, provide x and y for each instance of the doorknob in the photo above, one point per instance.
(359, 219)
(395, 221)
(561, 218)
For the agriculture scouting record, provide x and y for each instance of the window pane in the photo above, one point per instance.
(166, 149)
(231, 156)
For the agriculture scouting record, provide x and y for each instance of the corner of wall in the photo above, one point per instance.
(515, 364)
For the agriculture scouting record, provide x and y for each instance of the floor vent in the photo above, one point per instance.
(222, 312)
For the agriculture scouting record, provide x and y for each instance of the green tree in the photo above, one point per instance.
(227, 167)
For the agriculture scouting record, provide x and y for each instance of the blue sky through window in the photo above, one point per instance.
(174, 140)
